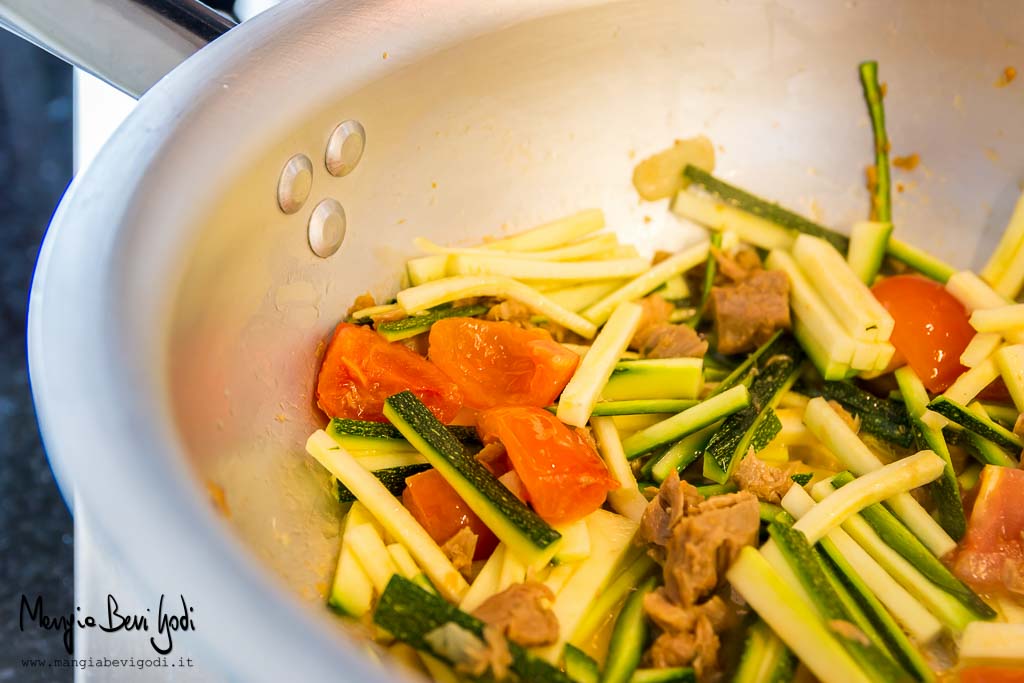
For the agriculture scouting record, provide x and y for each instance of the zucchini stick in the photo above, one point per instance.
(627, 499)
(874, 487)
(583, 390)
(880, 594)
(601, 608)
(628, 637)
(945, 490)
(793, 619)
(809, 569)
(646, 282)
(769, 211)
(881, 202)
(899, 538)
(389, 512)
(837, 436)
(710, 270)
(437, 292)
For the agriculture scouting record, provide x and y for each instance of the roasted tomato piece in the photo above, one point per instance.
(932, 328)
(991, 554)
(361, 369)
(499, 364)
(442, 512)
(563, 475)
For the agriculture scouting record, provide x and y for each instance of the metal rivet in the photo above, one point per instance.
(326, 228)
(345, 148)
(295, 183)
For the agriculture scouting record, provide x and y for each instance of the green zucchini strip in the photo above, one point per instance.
(899, 538)
(520, 528)
(756, 425)
(405, 328)
(808, 568)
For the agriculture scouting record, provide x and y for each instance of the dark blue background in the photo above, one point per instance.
(35, 526)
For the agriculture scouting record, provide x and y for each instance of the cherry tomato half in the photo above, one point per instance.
(500, 364)
(442, 512)
(564, 476)
(932, 328)
(360, 369)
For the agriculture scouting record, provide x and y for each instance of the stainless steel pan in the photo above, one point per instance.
(176, 309)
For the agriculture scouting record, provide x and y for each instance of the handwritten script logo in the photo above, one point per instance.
(168, 622)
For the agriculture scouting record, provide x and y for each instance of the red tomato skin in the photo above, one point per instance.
(361, 369)
(442, 512)
(565, 478)
(500, 364)
(991, 674)
(932, 328)
(991, 553)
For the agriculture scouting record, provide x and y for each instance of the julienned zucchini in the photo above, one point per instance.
(393, 479)
(674, 674)
(899, 538)
(655, 378)
(628, 637)
(684, 453)
(580, 666)
(883, 418)
(525, 533)
(765, 658)
(754, 426)
(741, 373)
(642, 407)
(896, 641)
(396, 330)
(868, 242)
(945, 490)
(408, 612)
(883, 599)
(690, 420)
(982, 426)
(981, 449)
(351, 591)
(380, 436)
(759, 207)
(793, 619)
(806, 565)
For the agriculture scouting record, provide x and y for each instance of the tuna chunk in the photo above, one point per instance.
(767, 482)
(656, 337)
(695, 540)
(748, 312)
(522, 613)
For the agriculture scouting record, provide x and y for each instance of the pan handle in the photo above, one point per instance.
(130, 44)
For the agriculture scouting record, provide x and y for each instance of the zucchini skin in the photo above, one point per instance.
(806, 564)
(396, 330)
(995, 433)
(393, 479)
(580, 666)
(884, 418)
(777, 367)
(406, 409)
(628, 637)
(383, 430)
(408, 613)
(769, 211)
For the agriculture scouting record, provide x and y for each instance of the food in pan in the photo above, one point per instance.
(781, 451)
